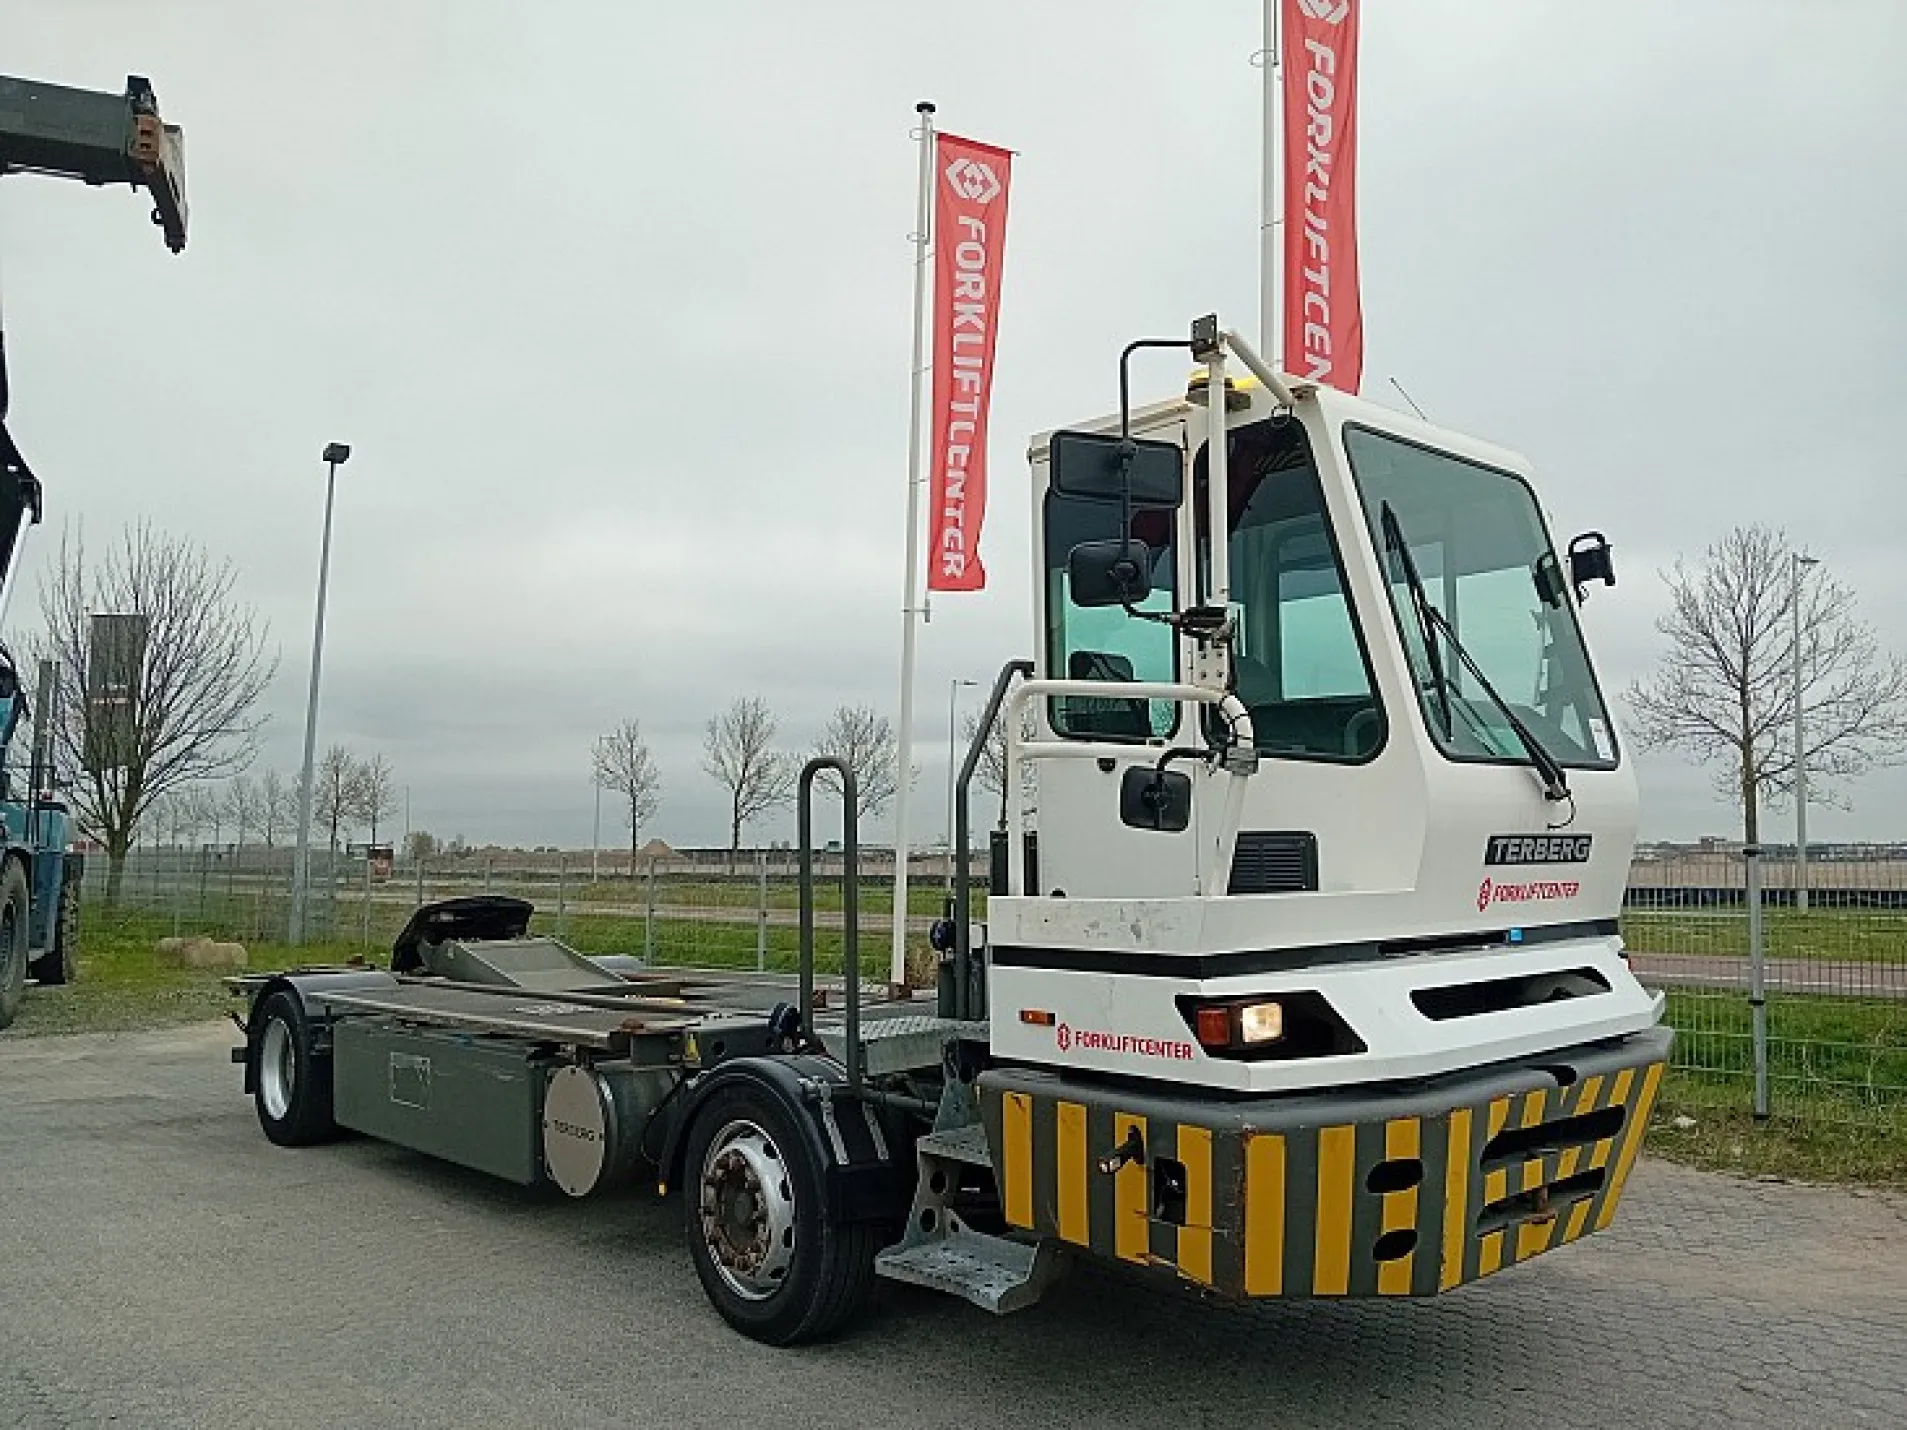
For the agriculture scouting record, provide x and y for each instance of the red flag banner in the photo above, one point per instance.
(970, 190)
(1324, 318)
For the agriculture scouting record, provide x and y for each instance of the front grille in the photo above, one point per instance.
(1275, 863)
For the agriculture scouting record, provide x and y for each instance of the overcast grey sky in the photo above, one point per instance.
(612, 301)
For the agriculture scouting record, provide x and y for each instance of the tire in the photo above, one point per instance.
(60, 963)
(13, 940)
(291, 1087)
(793, 1275)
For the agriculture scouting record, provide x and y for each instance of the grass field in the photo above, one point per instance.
(123, 985)
(1721, 1135)
(1855, 935)
(924, 898)
(1839, 1058)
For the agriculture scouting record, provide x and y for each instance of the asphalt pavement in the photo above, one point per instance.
(164, 1266)
(1820, 977)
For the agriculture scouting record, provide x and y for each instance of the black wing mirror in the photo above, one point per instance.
(1591, 559)
(1109, 573)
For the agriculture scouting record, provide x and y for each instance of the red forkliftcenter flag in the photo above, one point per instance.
(970, 191)
(1323, 316)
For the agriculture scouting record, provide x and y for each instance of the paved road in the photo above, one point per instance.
(1825, 977)
(166, 1267)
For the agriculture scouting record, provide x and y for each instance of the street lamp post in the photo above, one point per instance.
(336, 454)
(1797, 563)
(953, 763)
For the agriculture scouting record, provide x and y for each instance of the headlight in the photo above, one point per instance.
(1261, 1022)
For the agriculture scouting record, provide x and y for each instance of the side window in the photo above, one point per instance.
(1104, 643)
(1299, 663)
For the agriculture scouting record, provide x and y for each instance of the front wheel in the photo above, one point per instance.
(13, 941)
(768, 1256)
(292, 1081)
(60, 963)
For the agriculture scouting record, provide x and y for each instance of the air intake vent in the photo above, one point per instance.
(1280, 863)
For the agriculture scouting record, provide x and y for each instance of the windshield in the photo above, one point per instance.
(1478, 545)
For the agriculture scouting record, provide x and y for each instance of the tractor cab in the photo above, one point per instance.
(1364, 726)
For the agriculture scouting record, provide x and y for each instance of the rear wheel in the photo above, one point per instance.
(60, 963)
(292, 1086)
(774, 1265)
(13, 937)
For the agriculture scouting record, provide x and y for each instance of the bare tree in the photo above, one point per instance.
(335, 782)
(190, 712)
(420, 844)
(739, 754)
(157, 822)
(277, 806)
(624, 766)
(198, 811)
(1724, 692)
(372, 794)
(243, 806)
(991, 771)
(864, 741)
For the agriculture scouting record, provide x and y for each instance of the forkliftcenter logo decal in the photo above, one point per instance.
(1489, 892)
(973, 181)
(1331, 12)
(1090, 1041)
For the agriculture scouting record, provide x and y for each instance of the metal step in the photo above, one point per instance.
(966, 1145)
(995, 1274)
(902, 1044)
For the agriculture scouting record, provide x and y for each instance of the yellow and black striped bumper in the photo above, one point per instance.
(1346, 1194)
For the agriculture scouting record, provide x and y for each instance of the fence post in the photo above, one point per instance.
(486, 873)
(420, 879)
(365, 914)
(1757, 980)
(761, 910)
(649, 919)
(562, 895)
(178, 888)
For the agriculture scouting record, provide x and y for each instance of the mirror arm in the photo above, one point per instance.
(1127, 452)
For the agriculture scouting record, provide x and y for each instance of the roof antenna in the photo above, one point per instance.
(1408, 398)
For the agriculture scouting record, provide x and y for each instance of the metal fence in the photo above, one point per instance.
(1832, 950)
(1834, 1044)
(708, 909)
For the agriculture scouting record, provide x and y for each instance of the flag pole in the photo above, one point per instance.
(1271, 224)
(904, 754)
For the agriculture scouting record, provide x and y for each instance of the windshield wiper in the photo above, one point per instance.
(1395, 543)
(1555, 782)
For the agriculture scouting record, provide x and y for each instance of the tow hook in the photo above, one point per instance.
(1133, 1149)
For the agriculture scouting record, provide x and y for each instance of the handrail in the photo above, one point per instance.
(850, 905)
(963, 895)
(1238, 718)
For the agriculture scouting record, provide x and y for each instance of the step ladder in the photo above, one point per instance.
(905, 1043)
(941, 1252)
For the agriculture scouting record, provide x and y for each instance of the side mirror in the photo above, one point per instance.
(1109, 573)
(1104, 467)
(1591, 559)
